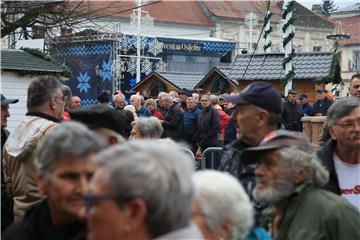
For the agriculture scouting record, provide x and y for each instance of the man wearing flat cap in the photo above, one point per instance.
(322, 103)
(257, 113)
(289, 177)
(307, 108)
(104, 120)
(7, 215)
(292, 113)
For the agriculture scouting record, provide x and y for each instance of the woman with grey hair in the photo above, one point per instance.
(222, 209)
(151, 105)
(64, 171)
(146, 128)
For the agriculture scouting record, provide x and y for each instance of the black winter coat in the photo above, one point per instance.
(291, 116)
(209, 126)
(173, 123)
(321, 106)
(326, 157)
(37, 225)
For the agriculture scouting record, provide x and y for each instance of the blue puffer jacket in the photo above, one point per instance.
(190, 122)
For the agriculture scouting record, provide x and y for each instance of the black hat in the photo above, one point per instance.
(100, 116)
(6, 101)
(185, 92)
(276, 140)
(291, 91)
(104, 97)
(303, 95)
(260, 94)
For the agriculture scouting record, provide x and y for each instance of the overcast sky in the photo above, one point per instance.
(339, 3)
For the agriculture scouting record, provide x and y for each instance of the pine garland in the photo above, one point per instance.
(268, 30)
(288, 58)
(287, 10)
(334, 74)
(288, 77)
(287, 24)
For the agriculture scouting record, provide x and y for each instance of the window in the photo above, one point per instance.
(316, 48)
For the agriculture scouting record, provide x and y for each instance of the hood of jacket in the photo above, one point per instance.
(26, 135)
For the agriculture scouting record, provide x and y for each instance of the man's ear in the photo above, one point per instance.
(42, 184)
(52, 104)
(263, 117)
(332, 133)
(136, 212)
(300, 176)
(112, 140)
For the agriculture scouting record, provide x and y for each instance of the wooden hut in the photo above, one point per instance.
(155, 82)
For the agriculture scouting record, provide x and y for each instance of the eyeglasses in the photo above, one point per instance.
(90, 198)
(349, 124)
(63, 97)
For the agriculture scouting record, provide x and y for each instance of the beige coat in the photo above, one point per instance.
(19, 162)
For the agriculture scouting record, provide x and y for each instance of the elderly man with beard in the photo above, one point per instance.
(289, 177)
(64, 170)
(341, 154)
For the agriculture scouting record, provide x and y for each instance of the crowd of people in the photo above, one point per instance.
(127, 169)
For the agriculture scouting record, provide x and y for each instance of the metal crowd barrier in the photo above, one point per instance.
(192, 156)
(210, 158)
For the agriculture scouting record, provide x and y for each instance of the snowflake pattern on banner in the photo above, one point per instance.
(106, 71)
(132, 66)
(83, 82)
(147, 20)
(160, 66)
(143, 43)
(155, 47)
(125, 44)
(132, 82)
(146, 66)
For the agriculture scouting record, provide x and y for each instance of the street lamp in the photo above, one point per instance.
(338, 34)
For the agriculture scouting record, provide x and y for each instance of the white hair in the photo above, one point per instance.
(60, 142)
(296, 160)
(131, 109)
(168, 98)
(149, 126)
(159, 174)
(222, 198)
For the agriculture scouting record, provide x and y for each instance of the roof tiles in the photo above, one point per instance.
(269, 66)
(183, 79)
(21, 60)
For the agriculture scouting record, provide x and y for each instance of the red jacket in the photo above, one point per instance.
(224, 118)
(158, 114)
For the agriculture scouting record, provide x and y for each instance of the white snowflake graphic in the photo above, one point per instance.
(83, 82)
(106, 71)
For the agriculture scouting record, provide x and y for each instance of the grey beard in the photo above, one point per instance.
(278, 190)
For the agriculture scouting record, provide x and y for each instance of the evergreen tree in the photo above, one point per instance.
(327, 7)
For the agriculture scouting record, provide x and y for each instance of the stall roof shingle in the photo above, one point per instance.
(310, 65)
(183, 79)
(21, 60)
